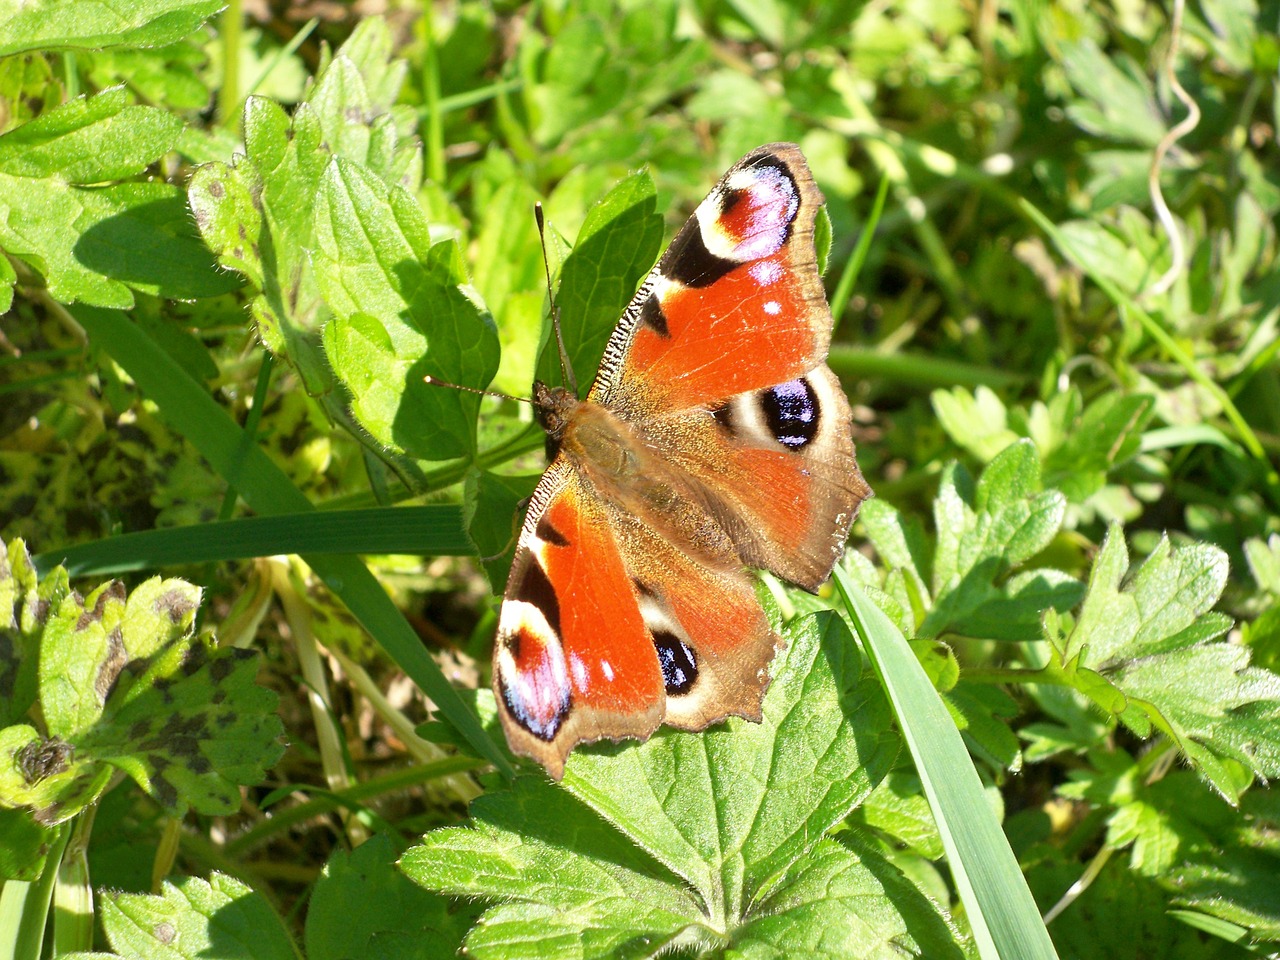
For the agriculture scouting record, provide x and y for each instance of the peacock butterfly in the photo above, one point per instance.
(714, 438)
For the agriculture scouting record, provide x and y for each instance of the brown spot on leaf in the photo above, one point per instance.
(217, 190)
(114, 591)
(112, 664)
(161, 686)
(164, 791)
(221, 668)
(197, 656)
(174, 603)
(48, 816)
(43, 758)
(164, 932)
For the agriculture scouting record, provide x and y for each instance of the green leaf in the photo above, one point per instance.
(90, 140)
(1263, 557)
(1151, 635)
(433, 529)
(840, 902)
(258, 214)
(1233, 877)
(616, 246)
(695, 838)
(977, 421)
(124, 686)
(1117, 101)
(24, 846)
(193, 918)
(61, 26)
(402, 311)
(363, 907)
(1005, 520)
(25, 605)
(97, 244)
(494, 517)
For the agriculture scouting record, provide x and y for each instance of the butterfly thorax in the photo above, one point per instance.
(626, 473)
(588, 434)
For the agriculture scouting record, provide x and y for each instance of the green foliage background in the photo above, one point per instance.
(232, 250)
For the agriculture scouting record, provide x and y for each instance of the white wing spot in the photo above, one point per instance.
(765, 272)
(579, 671)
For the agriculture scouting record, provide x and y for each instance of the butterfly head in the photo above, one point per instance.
(554, 407)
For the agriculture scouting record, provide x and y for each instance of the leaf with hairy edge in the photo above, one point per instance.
(983, 531)
(257, 214)
(126, 236)
(709, 840)
(123, 686)
(68, 26)
(25, 605)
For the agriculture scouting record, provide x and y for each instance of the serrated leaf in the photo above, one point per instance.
(124, 686)
(674, 841)
(192, 918)
(90, 140)
(127, 235)
(1003, 521)
(140, 23)
(616, 246)
(258, 214)
(402, 311)
(1106, 433)
(1152, 635)
(1117, 102)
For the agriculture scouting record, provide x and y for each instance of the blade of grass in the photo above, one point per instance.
(187, 407)
(853, 267)
(24, 906)
(250, 432)
(1001, 911)
(435, 530)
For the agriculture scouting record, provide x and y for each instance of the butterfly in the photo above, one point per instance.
(714, 439)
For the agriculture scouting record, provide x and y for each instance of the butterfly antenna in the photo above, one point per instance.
(566, 368)
(437, 382)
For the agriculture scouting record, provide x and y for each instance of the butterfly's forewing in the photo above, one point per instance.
(720, 362)
(714, 437)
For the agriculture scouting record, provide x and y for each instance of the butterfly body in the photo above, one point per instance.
(714, 438)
